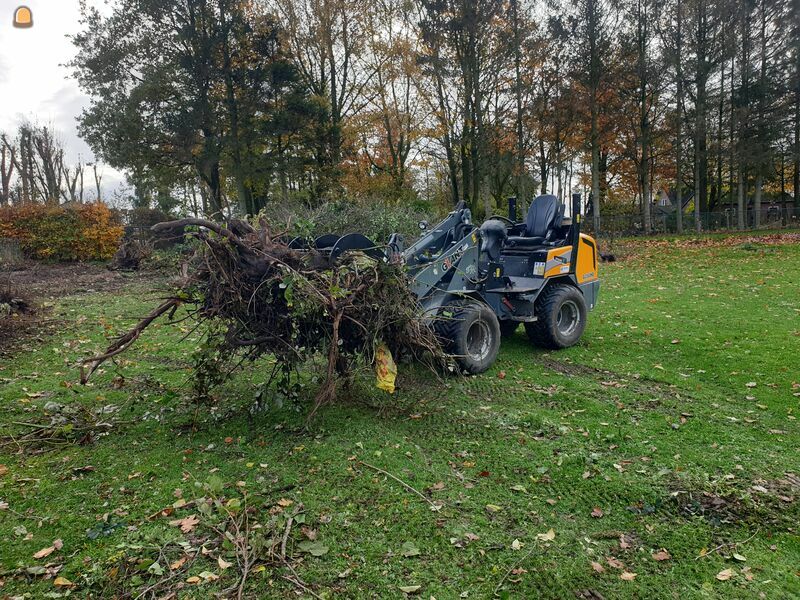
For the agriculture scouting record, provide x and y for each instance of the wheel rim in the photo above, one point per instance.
(569, 317)
(478, 340)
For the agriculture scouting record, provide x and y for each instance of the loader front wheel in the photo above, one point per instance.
(470, 332)
(561, 318)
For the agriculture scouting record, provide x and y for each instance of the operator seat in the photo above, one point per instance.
(544, 215)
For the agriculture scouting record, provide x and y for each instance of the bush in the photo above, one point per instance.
(375, 220)
(64, 233)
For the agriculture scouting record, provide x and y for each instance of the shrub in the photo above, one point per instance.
(376, 220)
(65, 232)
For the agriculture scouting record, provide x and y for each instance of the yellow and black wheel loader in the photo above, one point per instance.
(477, 284)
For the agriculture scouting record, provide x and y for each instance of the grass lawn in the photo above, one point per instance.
(657, 459)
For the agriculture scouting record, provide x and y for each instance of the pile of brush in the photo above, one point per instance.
(131, 254)
(13, 301)
(267, 298)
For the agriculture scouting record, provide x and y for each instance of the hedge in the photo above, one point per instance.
(62, 232)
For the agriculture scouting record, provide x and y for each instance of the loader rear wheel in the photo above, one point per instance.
(470, 332)
(561, 317)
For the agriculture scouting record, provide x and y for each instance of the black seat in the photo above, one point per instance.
(544, 215)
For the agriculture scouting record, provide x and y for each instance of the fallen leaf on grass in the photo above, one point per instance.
(627, 576)
(3, 470)
(57, 545)
(597, 512)
(410, 589)
(493, 508)
(223, 564)
(63, 582)
(547, 537)
(661, 555)
(598, 568)
(313, 548)
(739, 557)
(178, 563)
(751, 384)
(285, 502)
(409, 549)
(187, 524)
(615, 563)
(725, 574)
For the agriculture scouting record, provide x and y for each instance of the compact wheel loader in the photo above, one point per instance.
(477, 284)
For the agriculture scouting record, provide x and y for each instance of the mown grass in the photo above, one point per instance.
(649, 435)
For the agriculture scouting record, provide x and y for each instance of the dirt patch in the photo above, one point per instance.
(51, 281)
(40, 283)
(652, 391)
(762, 502)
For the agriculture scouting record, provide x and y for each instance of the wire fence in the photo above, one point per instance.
(772, 217)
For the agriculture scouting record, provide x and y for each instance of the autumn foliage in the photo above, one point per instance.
(64, 232)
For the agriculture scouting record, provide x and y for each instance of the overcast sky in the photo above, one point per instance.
(34, 85)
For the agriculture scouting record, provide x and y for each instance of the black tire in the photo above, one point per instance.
(470, 332)
(561, 317)
(508, 328)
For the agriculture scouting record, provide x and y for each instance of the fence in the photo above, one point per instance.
(772, 217)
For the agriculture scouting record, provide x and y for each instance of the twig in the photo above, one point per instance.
(414, 490)
(286, 537)
(122, 343)
(298, 582)
(514, 566)
(721, 546)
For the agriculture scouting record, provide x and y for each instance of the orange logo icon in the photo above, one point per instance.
(23, 17)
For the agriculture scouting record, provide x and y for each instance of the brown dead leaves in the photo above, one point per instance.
(187, 524)
(57, 545)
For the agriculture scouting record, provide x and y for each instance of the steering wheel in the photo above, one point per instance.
(502, 218)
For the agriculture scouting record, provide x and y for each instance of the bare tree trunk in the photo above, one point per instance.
(757, 200)
(679, 120)
(98, 178)
(741, 208)
(518, 98)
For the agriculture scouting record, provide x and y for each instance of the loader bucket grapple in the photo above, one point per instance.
(478, 284)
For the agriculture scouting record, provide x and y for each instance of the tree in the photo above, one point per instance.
(186, 84)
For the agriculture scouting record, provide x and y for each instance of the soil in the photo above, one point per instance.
(49, 281)
(44, 282)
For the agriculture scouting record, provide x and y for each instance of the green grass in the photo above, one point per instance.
(650, 420)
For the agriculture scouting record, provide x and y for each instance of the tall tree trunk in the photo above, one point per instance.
(242, 190)
(721, 110)
(762, 142)
(594, 84)
(543, 170)
(757, 200)
(644, 117)
(796, 175)
(701, 81)
(679, 120)
(521, 180)
(741, 207)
